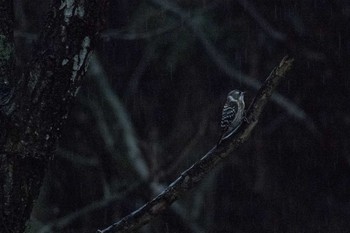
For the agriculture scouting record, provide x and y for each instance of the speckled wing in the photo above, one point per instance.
(231, 119)
(228, 115)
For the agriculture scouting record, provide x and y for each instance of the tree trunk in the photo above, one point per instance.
(35, 104)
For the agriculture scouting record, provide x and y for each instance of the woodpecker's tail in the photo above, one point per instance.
(227, 134)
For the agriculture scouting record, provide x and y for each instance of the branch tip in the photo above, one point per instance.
(284, 66)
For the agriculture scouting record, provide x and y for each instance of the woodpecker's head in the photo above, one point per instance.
(235, 95)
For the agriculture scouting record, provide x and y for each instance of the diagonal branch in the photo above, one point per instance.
(192, 176)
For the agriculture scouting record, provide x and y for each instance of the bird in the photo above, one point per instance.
(232, 114)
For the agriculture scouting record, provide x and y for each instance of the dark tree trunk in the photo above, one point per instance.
(38, 101)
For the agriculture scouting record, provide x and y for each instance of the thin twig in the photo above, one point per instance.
(192, 176)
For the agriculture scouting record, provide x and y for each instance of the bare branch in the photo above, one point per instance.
(192, 176)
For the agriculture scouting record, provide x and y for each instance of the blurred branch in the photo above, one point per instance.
(76, 159)
(118, 34)
(100, 77)
(102, 125)
(219, 59)
(111, 34)
(64, 221)
(192, 176)
(264, 24)
(145, 60)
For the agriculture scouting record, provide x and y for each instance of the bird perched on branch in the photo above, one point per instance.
(232, 114)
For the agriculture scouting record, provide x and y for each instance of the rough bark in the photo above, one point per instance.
(7, 60)
(31, 121)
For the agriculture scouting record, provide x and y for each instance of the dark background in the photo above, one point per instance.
(151, 106)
